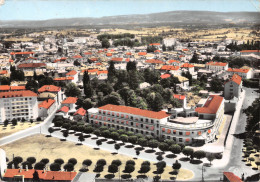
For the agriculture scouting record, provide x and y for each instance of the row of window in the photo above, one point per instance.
(187, 133)
(110, 113)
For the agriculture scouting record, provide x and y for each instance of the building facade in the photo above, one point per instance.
(233, 87)
(18, 104)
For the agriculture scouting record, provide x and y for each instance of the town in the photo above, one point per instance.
(95, 104)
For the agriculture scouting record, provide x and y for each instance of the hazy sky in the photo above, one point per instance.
(52, 9)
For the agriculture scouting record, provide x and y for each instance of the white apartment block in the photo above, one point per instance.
(216, 66)
(197, 126)
(233, 87)
(18, 104)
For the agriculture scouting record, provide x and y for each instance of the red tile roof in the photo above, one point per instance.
(173, 61)
(25, 93)
(180, 97)
(232, 177)
(142, 53)
(211, 106)
(216, 63)
(14, 53)
(154, 61)
(49, 88)
(64, 109)
(43, 175)
(63, 78)
(72, 72)
(3, 72)
(135, 111)
(81, 112)
(238, 70)
(88, 53)
(102, 72)
(128, 53)
(187, 65)
(185, 49)
(109, 54)
(169, 67)
(250, 51)
(93, 59)
(154, 44)
(77, 57)
(165, 76)
(236, 78)
(4, 87)
(60, 175)
(117, 59)
(46, 104)
(31, 65)
(156, 51)
(18, 88)
(70, 100)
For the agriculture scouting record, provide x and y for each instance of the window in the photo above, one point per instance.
(180, 133)
(142, 119)
(142, 125)
(168, 137)
(180, 139)
(152, 121)
(146, 120)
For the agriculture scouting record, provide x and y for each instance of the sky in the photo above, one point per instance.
(55, 9)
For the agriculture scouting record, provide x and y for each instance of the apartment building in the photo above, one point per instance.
(18, 104)
(216, 66)
(233, 87)
(182, 125)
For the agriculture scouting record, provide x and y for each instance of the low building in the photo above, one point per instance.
(216, 66)
(244, 73)
(52, 89)
(46, 107)
(30, 175)
(18, 105)
(80, 114)
(233, 87)
(70, 102)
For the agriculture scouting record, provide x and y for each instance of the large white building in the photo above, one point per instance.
(244, 73)
(187, 126)
(18, 104)
(216, 66)
(233, 87)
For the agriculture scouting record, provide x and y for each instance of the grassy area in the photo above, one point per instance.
(10, 129)
(40, 147)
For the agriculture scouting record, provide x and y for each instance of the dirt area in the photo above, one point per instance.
(52, 148)
(192, 100)
(10, 129)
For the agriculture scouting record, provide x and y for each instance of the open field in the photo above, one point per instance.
(40, 147)
(20, 39)
(10, 129)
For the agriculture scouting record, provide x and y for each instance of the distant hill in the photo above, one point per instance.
(173, 17)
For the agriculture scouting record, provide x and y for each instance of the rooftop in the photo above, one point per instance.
(25, 93)
(49, 88)
(211, 106)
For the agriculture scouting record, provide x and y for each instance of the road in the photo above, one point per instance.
(212, 173)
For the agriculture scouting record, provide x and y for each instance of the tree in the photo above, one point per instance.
(98, 169)
(131, 66)
(175, 149)
(159, 157)
(216, 84)
(39, 166)
(257, 163)
(65, 134)
(50, 130)
(27, 165)
(194, 58)
(199, 154)
(144, 169)
(117, 147)
(251, 159)
(129, 168)
(187, 151)
(114, 135)
(117, 162)
(81, 138)
(73, 161)
(163, 146)
(153, 143)
(134, 80)
(163, 47)
(111, 72)
(142, 142)
(71, 90)
(36, 176)
(101, 162)
(17, 160)
(124, 138)
(32, 160)
(45, 161)
(113, 168)
(68, 167)
(55, 167)
(210, 158)
(88, 91)
(105, 43)
(137, 153)
(176, 166)
(6, 123)
(113, 98)
(87, 162)
(155, 101)
(98, 143)
(59, 161)
(14, 122)
(132, 139)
